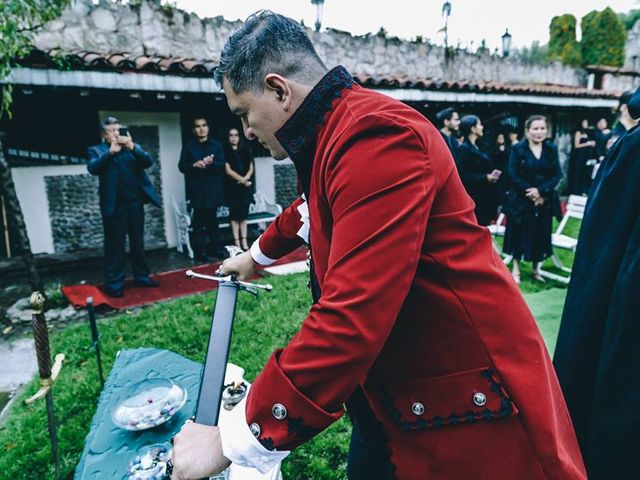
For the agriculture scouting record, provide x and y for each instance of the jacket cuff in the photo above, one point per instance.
(284, 416)
(240, 445)
(257, 255)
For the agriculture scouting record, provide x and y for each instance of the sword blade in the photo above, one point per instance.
(215, 365)
(53, 436)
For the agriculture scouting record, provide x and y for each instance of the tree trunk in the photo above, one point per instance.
(16, 220)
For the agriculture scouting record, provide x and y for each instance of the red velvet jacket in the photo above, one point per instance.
(417, 326)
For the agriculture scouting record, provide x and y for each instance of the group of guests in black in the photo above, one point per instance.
(518, 177)
(216, 175)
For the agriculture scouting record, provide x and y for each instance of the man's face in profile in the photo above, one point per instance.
(454, 123)
(262, 116)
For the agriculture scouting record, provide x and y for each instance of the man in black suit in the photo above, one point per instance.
(202, 162)
(124, 189)
(448, 121)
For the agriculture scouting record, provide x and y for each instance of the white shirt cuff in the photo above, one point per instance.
(241, 447)
(257, 255)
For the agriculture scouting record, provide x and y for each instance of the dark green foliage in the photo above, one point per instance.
(571, 54)
(536, 54)
(562, 32)
(630, 18)
(603, 38)
(19, 22)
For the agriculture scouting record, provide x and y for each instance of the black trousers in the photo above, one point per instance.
(360, 464)
(204, 236)
(127, 221)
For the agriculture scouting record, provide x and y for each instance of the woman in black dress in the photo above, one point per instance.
(239, 168)
(534, 172)
(476, 170)
(583, 151)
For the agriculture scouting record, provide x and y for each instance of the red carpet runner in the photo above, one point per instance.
(173, 284)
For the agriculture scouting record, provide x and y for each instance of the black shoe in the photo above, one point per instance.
(203, 258)
(148, 283)
(113, 292)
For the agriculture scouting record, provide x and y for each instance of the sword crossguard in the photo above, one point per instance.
(248, 286)
(46, 384)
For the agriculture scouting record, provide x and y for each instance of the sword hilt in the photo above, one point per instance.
(48, 374)
(248, 286)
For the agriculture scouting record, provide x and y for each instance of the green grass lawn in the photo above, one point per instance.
(182, 326)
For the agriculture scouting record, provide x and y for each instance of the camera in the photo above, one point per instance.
(123, 131)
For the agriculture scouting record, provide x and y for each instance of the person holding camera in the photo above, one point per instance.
(202, 163)
(124, 189)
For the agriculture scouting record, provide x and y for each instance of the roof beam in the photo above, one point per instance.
(140, 81)
(417, 95)
(145, 81)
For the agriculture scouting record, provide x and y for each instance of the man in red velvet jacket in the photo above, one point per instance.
(416, 327)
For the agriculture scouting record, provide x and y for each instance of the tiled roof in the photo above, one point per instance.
(401, 81)
(126, 62)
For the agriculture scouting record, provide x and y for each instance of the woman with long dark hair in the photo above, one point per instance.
(476, 170)
(239, 168)
(534, 172)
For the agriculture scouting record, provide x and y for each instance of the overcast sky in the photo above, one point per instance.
(470, 21)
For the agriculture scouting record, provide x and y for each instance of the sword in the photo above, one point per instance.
(215, 364)
(48, 374)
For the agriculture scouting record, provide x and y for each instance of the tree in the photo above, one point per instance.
(603, 38)
(20, 20)
(562, 32)
(630, 18)
(571, 54)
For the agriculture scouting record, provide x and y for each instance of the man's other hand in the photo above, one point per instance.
(114, 146)
(243, 266)
(197, 452)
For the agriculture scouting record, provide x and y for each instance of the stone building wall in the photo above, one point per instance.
(620, 83)
(286, 183)
(148, 28)
(74, 207)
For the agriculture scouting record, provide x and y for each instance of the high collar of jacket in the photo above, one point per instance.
(298, 136)
(523, 145)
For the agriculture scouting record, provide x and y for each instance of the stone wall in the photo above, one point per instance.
(148, 28)
(286, 183)
(74, 207)
(620, 83)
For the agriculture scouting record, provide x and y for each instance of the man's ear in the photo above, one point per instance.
(278, 86)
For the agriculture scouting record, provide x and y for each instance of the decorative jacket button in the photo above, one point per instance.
(255, 429)
(417, 408)
(279, 411)
(480, 399)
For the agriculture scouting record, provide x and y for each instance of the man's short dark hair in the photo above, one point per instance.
(443, 115)
(268, 43)
(199, 117)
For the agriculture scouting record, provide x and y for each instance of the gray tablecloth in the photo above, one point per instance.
(108, 449)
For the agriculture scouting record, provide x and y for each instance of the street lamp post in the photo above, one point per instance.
(446, 11)
(318, 4)
(506, 43)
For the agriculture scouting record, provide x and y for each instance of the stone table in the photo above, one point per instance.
(109, 449)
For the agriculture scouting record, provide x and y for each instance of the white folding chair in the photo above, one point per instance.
(575, 209)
